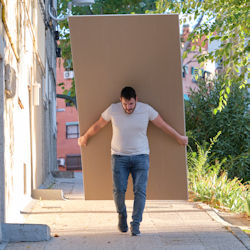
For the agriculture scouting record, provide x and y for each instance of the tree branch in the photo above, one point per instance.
(67, 97)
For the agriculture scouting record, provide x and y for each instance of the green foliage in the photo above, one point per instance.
(99, 7)
(232, 121)
(226, 22)
(68, 94)
(211, 185)
(239, 166)
(66, 54)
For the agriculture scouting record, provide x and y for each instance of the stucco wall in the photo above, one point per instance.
(29, 145)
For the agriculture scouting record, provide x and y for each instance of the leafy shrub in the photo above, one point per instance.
(211, 185)
(232, 121)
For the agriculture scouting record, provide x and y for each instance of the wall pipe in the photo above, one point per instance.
(10, 39)
(7, 31)
(33, 37)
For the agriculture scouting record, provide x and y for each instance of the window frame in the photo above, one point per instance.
(71, 124)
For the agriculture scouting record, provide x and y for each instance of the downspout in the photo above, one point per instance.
(31, 137)
(2, 140)
(2, 146)
(33, 36)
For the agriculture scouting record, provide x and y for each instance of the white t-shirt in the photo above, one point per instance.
(129, 130)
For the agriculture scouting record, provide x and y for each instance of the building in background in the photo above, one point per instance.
(27, 103)
(68, 151)
(191, 70)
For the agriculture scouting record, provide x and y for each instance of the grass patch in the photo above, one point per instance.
(246, 231)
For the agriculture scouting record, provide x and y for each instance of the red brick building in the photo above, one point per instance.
(68, 151)
(191, 69)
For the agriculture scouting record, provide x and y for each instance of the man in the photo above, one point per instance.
(130, 151)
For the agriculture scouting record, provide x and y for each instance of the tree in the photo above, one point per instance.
(99, 7)
(225, 21)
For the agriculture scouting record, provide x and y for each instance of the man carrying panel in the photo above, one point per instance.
(130, 151)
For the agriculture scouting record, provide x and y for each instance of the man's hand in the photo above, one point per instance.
(160, 123)
(182, 140)
(82, 141)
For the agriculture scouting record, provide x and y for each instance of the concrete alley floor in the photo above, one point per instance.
(79, 224)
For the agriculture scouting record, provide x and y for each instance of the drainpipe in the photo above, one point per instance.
(2, 165)
(31, 137)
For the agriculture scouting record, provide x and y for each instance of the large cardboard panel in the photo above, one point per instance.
(143, 51)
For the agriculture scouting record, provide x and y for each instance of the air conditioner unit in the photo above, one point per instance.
(68, 74)
(61, 162)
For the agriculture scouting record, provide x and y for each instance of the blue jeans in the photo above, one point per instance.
(138, 166)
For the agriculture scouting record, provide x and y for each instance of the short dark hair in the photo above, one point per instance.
(128, 93)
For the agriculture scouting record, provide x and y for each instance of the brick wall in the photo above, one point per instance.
(64, 114)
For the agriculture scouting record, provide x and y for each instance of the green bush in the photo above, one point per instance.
(211, 185)
(232, 121)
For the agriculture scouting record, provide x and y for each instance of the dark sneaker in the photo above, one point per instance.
(122, 224)
(135, 229)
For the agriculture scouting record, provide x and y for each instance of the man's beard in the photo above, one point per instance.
(129, 111)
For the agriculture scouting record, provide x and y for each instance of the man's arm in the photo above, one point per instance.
(160, 123)
(82, 141)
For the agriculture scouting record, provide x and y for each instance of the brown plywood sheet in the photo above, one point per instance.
(143, 51)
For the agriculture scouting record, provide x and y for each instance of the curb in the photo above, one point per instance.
(3, 245)
(236, 231)
(61, 174)
(242, 236)
(47, 194)
(12, 232)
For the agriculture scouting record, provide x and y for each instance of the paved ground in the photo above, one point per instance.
(79, 224)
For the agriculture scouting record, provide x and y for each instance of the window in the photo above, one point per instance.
(72, 130)
(207, 75)
(73, 162)
(219, 64)
(197, 74)
(184, 71)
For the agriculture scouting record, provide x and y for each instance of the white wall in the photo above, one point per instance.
(27, 142)
(2, 187)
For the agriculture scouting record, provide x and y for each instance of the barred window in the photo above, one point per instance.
(197, 74)
(72, 130)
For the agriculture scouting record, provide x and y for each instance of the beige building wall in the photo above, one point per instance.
(110, 52)
(190, 62)
(25, 115)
